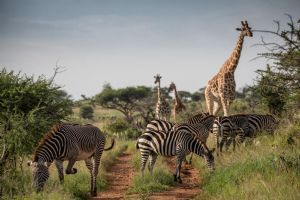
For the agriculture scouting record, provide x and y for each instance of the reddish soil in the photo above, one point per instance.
(186, 190)
(119, 177)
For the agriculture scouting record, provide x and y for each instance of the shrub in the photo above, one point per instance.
(86, 112)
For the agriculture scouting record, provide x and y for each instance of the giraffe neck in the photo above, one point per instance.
(235, 56)
(177, 99)
(158, 92)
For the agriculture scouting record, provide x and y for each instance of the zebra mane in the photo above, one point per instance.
(46, 137)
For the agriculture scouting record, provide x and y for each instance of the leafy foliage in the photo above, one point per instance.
(28, 107)
(279, 83)
(86, 112)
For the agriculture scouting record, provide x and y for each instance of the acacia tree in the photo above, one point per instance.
(126, 100)
(279, 83)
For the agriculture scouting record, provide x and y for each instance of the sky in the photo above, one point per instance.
(127, 42)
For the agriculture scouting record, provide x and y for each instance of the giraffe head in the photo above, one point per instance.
(245, 29)
(172, 87)
(157, 79)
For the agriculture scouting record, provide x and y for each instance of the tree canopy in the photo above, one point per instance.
(126, 100)
(279, 83)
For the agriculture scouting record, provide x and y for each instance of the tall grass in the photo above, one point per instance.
(269, 168)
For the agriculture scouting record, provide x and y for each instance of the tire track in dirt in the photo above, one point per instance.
(186, 190)
(119, 176)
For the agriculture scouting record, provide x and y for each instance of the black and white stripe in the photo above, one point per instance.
(259, 123)
(160, 125)
(197, 118)
(180, 143)
(235, 128)
(70, 142)
(230, 129)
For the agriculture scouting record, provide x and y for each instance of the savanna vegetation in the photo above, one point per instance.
(265, 167)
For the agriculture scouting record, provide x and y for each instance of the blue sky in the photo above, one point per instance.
(126, 42)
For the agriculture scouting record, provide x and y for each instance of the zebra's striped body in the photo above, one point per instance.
(228, 128)
(241, 126)
(70, 142)
(159, 125)
(199, 125)
(197, 118)
(259, 123)
(180, 143)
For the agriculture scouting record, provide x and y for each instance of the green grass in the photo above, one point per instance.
(161, 179)
(267, 169)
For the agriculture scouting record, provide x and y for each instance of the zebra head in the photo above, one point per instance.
(209, 159)
(40, 174)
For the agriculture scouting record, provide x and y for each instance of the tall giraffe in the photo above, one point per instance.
(162, 110)
(220, 89)
(179, 106)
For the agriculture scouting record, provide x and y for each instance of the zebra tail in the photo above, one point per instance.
(111, 146)
(137, 145)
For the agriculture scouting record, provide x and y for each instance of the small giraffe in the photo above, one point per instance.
(162, 110)
(220, 90)
(179, 106)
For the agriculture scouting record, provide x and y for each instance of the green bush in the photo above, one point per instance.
(28, 108)
(86, 112)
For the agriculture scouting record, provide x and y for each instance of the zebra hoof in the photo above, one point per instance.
(94, 194)
(175, 178)
(74, 171)
(179, 180)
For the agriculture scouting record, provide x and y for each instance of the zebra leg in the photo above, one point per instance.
(144, 158)
(60, 170)
(178, 169)
(228, 143)
(222, 143)
(90, 165)
(70, 169)
(152, 160)
(190, 161)
(96, 165)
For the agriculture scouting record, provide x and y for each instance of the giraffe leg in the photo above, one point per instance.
(209, 101)
(224, 105)
(216, 107)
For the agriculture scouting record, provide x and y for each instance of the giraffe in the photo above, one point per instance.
(220, 90)
(162, 110)
(179, 106)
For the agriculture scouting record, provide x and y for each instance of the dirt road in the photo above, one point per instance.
(120, 176)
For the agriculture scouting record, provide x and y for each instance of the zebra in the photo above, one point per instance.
(228, 128)
(259, 123)
(166, 126)
(197, 117)
(160, 125)
(242, 126)
(200, 126)
(180, 143)
(70, 142)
